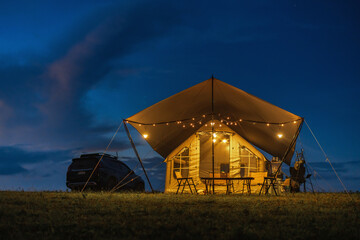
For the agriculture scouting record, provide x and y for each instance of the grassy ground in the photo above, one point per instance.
(53, 215)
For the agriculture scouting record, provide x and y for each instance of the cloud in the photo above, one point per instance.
(42, 101)
(13, 160)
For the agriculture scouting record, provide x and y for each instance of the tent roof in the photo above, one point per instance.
(171, 121)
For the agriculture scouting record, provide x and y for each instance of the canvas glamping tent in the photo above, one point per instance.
(211, 128)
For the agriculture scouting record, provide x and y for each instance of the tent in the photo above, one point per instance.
(182, 125)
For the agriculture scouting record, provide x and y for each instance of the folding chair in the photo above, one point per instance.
(182, 182)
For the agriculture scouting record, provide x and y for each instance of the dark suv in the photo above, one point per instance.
(109, 172)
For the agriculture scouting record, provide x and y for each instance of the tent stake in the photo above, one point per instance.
(137, 154)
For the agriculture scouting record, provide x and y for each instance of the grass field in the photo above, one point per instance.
(62, 215)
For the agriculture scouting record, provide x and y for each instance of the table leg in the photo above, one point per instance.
(178, 186)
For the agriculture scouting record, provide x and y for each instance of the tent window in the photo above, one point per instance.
(249, 162)
(181, 162)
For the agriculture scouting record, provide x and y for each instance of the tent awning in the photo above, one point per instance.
(171, 121)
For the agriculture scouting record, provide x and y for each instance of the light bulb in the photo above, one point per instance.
(145, 136)
(224, 141)
(280, 135)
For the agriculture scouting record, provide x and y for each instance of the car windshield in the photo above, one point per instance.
(80, 163)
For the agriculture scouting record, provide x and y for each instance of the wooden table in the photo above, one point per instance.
(228, 182)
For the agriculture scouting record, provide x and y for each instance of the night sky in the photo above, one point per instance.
(70, 71)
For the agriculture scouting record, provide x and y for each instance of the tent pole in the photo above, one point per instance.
(285, 155)
(137, 154)
(289, 148)
(212, 133)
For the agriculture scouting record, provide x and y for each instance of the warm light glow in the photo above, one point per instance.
(154, 125)
(199, 122)
(193, 118)
(280, 135)
(214, 140)
(235, 123)
(282, 124)
(167, 123)
(294, 122)
(214, 135)
(228, 118)
(140, 125)
(220, 125)
(205, 125)
(212, 124)
(183, 125)
(267, 124)
(204, 115)
(224, 141)
(145, 136)
(240, 120)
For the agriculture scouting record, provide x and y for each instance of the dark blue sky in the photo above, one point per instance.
(70, 72)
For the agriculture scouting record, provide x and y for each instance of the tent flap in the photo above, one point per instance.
(171, 121)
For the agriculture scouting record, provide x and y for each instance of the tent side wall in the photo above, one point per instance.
(236, 143)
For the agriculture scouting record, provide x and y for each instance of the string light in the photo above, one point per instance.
(214, 140)
(184, 126)
(224, 141)
(224, 121)
(205, 125)
(145, 136)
